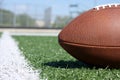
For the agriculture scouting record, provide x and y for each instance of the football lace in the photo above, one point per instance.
(107, 6)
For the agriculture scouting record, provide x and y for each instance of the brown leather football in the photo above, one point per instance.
(94, 36)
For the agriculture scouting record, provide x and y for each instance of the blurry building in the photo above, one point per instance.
(40, 23)
(47, 17)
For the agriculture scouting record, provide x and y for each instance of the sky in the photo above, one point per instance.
(59, 7)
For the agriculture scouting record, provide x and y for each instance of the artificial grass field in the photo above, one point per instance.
(45, 53)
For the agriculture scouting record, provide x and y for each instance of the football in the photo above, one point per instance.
(94, 36)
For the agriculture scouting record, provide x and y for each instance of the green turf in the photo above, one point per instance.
(45, 53)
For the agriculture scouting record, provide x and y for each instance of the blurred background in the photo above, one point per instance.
(44, 13)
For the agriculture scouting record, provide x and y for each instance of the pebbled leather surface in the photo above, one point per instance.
(94, 37)
(94, 27)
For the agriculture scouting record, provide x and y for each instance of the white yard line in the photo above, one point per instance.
(35, 34)
(13, 65)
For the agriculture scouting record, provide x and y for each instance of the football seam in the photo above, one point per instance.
(88, 45)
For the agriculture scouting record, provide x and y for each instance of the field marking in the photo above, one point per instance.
(35, 34)
(13, 65)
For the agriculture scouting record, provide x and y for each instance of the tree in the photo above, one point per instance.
(61, 21)
(6, 17)
(25, 20)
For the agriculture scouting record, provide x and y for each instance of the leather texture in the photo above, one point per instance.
(94, 37)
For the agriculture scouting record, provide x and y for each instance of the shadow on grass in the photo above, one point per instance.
(74, 64)
(66, 64)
